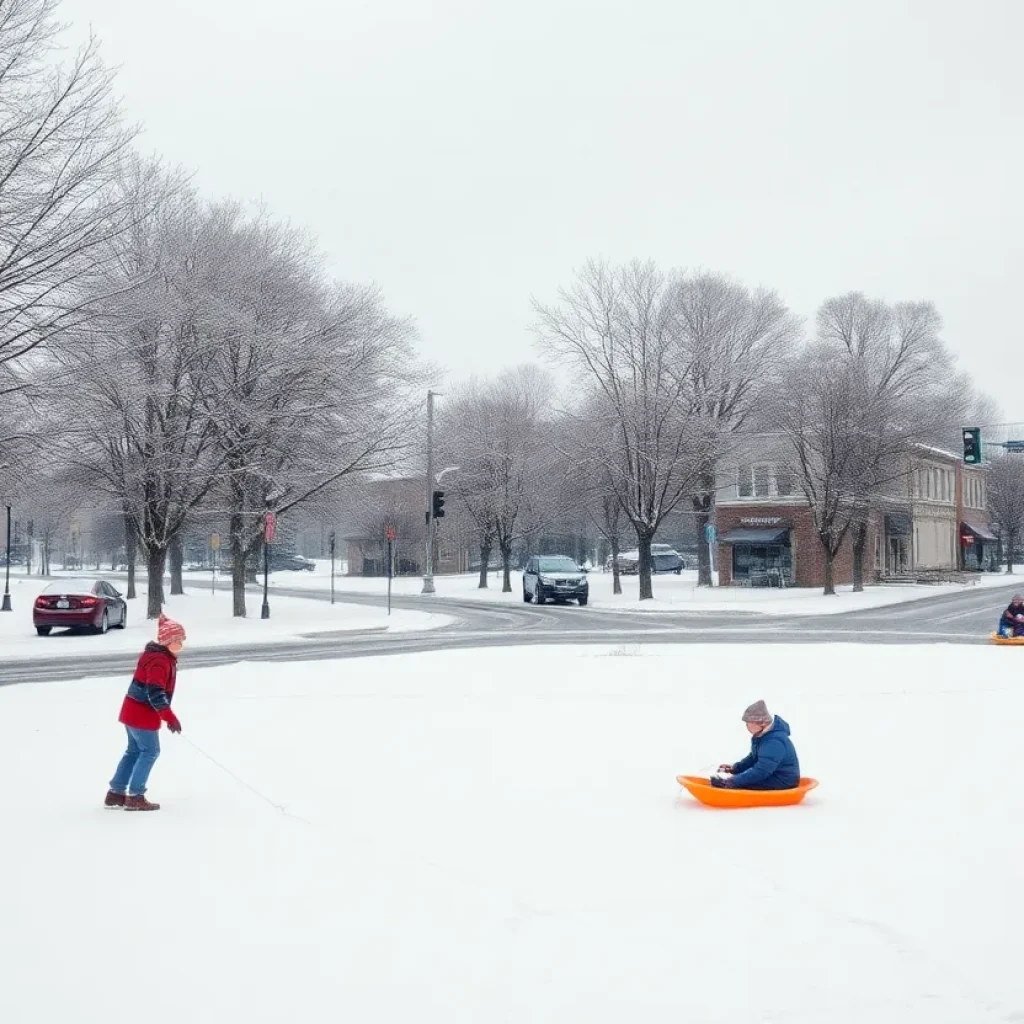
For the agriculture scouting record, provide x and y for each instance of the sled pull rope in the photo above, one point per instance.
(252, 789)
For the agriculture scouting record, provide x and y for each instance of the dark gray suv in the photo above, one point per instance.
(554, 578)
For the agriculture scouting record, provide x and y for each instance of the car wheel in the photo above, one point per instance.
(539, 595)
(43, 630)
(124, 619)
(104, 622)
(583, 601)
(526, 594)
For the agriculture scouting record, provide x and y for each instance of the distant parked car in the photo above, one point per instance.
(664, 559)
(555, 578)
(285, 562)
(79, 604)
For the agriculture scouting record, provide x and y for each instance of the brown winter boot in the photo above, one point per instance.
(114, 799)
(139, 803)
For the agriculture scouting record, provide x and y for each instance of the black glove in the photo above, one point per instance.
(718, 783)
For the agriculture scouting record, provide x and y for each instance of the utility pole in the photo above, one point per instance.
(6, 606)
(428, 577)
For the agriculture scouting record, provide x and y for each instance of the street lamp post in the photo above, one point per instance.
(331, 541)
(428, 576)
(6, 607)
(269, 525)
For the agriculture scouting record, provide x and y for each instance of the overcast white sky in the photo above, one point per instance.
(467, 155)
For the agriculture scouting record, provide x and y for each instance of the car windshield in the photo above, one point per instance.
(558, 565)
(70, 587)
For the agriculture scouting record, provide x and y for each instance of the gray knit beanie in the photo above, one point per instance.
(757, 712)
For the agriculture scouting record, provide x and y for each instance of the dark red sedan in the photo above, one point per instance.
(79, 604)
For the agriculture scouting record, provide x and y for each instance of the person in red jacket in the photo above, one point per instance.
(146, 706)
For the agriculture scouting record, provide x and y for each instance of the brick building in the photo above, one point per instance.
(932, 521)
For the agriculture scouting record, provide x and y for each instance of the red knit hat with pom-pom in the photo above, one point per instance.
(169, 632)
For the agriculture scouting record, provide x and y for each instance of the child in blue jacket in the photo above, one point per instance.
(772, 762)
(1011, 622)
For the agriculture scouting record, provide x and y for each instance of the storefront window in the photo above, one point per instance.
(758, 563)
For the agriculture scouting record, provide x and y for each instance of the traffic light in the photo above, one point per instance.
(972, 445)
(438, 504)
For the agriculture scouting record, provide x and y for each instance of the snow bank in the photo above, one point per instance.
(207, 619)
(484, 836)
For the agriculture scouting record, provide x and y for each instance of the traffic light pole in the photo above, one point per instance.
(428, 577)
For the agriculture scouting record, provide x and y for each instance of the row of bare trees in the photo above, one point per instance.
(168, 360)
(676, 374)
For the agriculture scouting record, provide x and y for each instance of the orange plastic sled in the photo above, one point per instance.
(699, 787)
(1007, 641)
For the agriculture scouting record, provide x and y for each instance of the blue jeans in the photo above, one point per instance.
(133, 772)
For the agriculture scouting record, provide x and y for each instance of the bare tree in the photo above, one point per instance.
(856, 402)
(495, 433)
(733, 346)
(307, 381)
(617, 328)
(133, 380)
(61, 141)
(1005, 496)
(584, 468)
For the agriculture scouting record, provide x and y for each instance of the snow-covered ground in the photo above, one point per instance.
(671, 593)
(498, 836)
(207, 619)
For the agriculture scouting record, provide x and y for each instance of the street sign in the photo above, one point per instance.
(1014, 446)
(269, 526)
(215, 541)
(710, 534)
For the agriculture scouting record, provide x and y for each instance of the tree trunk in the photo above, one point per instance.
(616, 575)
(485, 561)
(860, 540)
(177, 553)
(506, 568)
(1011, 543)
(830, 586)
(156, 560)
(238, 574)
(644, 538)
(703, 504)
(130, 550)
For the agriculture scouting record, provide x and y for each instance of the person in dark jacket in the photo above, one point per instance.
(146, 707)
(772, 762)
(1011, 622)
